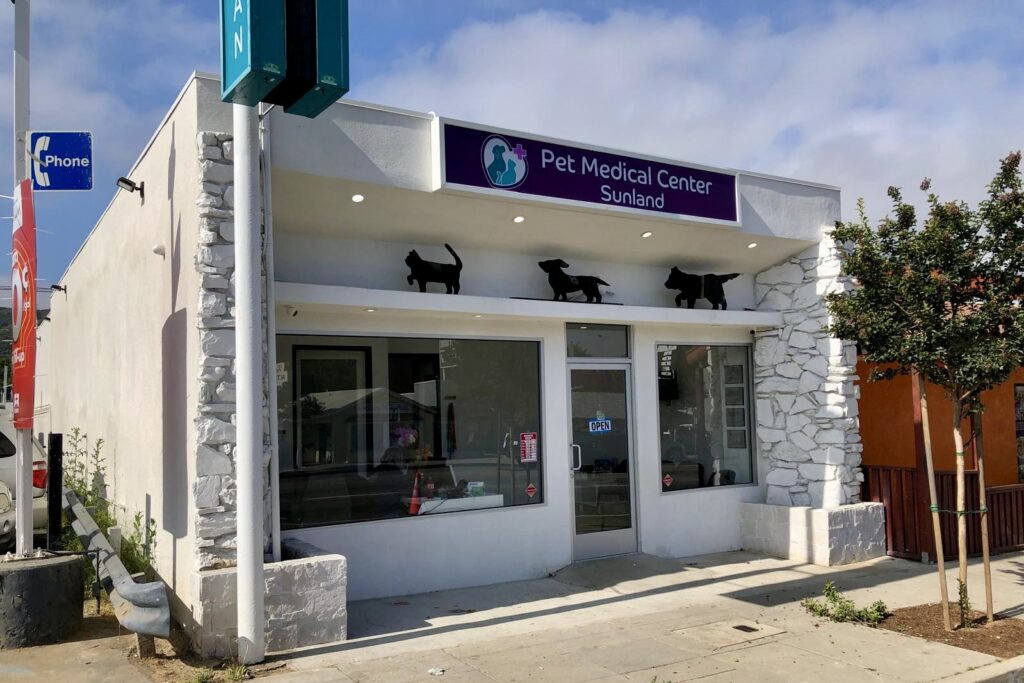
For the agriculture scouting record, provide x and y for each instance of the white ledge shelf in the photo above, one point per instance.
(338, 299)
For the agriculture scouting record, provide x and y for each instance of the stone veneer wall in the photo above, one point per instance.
(214, 488)
(805, 387)
(826, 537)
(304, 602)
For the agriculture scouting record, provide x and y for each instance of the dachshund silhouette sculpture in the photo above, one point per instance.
(563, 284)
(423, 271)
(692, 287)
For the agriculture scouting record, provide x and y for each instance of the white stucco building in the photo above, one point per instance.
(419, 441)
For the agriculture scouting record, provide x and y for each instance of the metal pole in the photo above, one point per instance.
(23, 465)
(21, 93)
(54, 489)
(249, 378)
(23, 507)
(271, 370)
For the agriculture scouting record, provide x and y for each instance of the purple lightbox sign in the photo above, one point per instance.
(500, 161)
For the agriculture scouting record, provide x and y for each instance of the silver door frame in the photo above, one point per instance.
(605, 543)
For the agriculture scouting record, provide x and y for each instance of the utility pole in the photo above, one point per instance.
(249, 378)
(23, 464)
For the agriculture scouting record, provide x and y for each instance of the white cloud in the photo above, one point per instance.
(109, 67)
(862, 98)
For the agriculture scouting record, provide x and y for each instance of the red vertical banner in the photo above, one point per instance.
(23, 305)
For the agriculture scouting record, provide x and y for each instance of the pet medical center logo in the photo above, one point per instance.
(504, 165)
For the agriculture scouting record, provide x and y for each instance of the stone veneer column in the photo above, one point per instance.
(214, 488)
(805, 387)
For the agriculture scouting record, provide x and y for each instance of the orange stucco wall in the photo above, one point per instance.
(887, 426)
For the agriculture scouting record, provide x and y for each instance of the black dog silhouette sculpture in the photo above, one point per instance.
(692, 287)
(562, 283)
(427, 271)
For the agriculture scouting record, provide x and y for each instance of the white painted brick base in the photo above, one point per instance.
(822, 536)
(305, 604)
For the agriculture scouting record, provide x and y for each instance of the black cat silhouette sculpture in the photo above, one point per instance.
(422, 271)
(692, 287)
(563, 284)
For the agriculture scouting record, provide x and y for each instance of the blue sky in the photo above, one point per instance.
(861, 95)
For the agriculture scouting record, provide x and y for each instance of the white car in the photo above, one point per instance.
(6, 519)
(7, 478)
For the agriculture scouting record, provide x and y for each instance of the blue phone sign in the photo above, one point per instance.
(61, 160)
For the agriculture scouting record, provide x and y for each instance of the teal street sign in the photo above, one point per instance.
(252, 47)
(317, 74)
(293, 53)
(330, 67)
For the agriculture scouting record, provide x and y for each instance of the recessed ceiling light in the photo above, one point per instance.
(583, 327)
(519, 219)
(751, 245)
(370, 310)
(646, 234)
(358, 198)
(477, 315)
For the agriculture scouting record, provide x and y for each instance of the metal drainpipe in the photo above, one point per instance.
(268, 229)
(249, 378)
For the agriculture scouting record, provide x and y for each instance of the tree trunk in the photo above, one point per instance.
(940, 555)
(979, 451)
(961, 518)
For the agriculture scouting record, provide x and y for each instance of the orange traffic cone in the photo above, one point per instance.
(414, 502)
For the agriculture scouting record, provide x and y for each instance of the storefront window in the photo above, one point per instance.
(379, 428)
(704, 416)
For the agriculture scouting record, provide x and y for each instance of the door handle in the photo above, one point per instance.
(577, 458)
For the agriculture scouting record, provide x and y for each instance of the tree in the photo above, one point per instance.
(942, 301)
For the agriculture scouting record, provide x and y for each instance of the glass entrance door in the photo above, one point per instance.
(601, 460)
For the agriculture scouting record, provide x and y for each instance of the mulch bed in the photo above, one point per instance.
(1003, 639)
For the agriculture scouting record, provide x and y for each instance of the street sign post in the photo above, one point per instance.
(301, 45)
(61, 160)
(23, 354)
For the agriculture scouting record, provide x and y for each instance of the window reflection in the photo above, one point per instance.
(704, 416)
(377, 428)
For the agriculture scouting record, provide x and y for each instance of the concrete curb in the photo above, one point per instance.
(1006, 671)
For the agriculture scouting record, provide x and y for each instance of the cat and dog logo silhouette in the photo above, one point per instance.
(504, 164)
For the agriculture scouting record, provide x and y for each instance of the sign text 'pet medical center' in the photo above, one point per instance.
(499, 161)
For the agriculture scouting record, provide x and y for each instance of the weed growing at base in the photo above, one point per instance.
(85, 474)
(838, 608)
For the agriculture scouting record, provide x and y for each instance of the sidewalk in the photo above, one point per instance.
(642, 618)
(632, 618)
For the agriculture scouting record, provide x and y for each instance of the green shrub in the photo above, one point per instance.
(85, 474)
(839, 608)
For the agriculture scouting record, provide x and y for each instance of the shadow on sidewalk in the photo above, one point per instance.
(729, 569)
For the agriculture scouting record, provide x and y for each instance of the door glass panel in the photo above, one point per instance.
(600, 434)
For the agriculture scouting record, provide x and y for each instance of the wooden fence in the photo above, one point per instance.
(908, 528)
